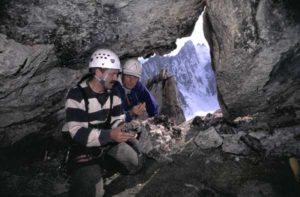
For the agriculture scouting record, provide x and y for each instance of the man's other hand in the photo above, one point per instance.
(139, 109)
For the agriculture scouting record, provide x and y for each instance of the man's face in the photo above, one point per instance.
(129, 81)
(110, 76)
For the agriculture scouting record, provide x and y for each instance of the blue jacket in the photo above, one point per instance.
(139, 94)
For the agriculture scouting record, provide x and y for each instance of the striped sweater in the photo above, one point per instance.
(78, 119)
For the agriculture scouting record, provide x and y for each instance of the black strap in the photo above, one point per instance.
(106, 124)
(86, 101)
(84, 96)
(81, 154)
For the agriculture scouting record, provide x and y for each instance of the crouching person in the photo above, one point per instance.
(136, 98)
(94, 118)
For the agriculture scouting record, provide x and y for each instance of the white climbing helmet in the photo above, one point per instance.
(132, 67)
(104, 58)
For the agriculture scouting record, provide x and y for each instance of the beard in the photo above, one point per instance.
(109, 84)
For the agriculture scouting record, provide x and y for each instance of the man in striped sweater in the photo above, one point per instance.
(94, 118)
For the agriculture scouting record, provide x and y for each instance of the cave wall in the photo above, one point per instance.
(32, 90)
(77, 27)
(255, 47)
(164, 89)
(45, 44)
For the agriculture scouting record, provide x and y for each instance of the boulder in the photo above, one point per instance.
(255, 48)
(164, 89)
(45, 46)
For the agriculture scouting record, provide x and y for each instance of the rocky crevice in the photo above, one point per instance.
(205, 156)
(44, 46)
(246, 55)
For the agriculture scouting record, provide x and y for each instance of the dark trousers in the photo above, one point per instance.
(87, 181)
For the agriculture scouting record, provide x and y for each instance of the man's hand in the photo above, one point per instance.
(118, 135)
(132, 126)
(138, 109)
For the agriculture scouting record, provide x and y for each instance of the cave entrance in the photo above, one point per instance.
(190, 63)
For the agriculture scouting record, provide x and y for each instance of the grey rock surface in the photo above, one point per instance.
(186, 169)
(32, 91)
(233, 144)
(283, 141)
(129, 27)
(208, 139)
(165, 91)
(255, 47)
(45, 45)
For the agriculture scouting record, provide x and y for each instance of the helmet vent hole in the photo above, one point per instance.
(104, 58)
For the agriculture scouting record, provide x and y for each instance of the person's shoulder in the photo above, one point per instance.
(74, 93)
(139, 86)
(73, 90)
(117, 85)
(117, 88)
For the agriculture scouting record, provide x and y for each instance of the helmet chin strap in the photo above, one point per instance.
(102, 80)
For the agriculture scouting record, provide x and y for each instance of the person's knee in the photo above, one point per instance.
(137, 166)
(87, 181)
(128, 157)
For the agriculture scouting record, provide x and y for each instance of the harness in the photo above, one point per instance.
(104, 125)
(78, 155)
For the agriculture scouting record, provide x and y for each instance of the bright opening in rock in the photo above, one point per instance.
(190, 63)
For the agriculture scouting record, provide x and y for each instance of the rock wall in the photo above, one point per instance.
(255, 54)
(255, 47)
(32, 90)
(77, 27)
(44, 46)
(164, 89)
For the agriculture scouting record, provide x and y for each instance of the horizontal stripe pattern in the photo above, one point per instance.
(78, 119)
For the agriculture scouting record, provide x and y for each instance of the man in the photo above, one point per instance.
(93, 121)
(136, 99)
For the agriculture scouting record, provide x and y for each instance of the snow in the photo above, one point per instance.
(200, 106)
(197, 37)
(190, 63)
